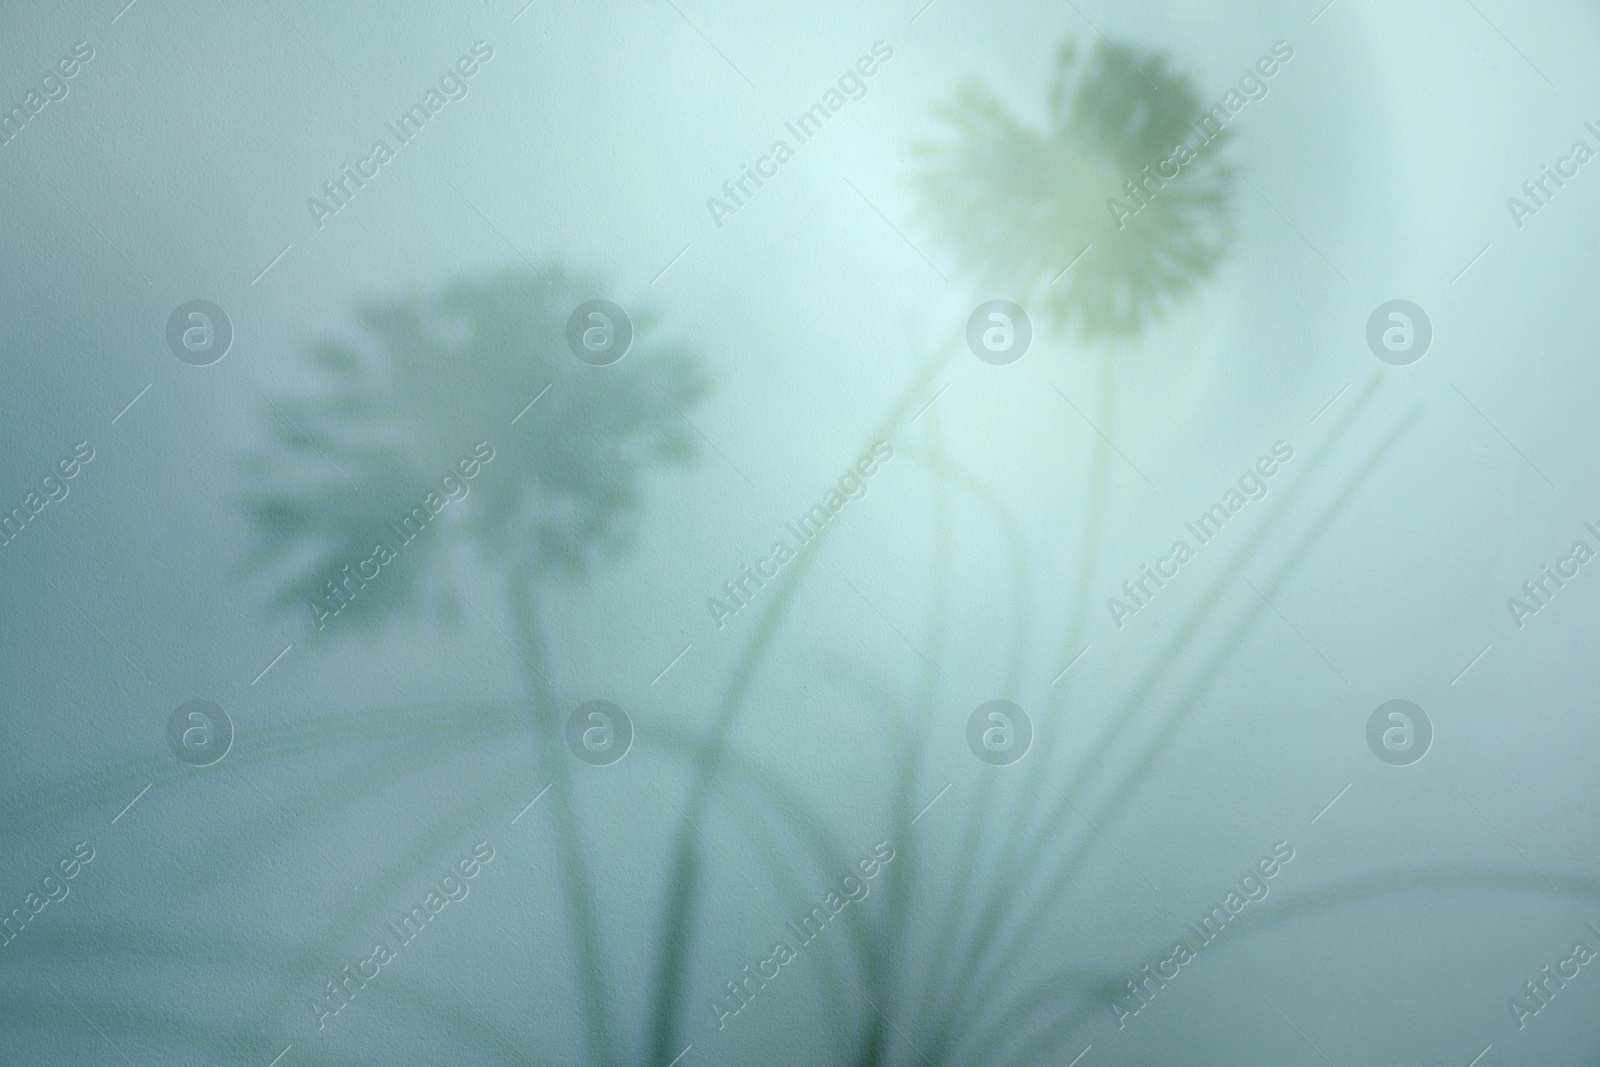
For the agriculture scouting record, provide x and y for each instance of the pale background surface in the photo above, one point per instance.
(1377, 168)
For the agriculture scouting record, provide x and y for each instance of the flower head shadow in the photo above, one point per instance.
(430, 378)
(1017, 206)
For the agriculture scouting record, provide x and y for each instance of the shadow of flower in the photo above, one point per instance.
(433, 377)
(1018, 206)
